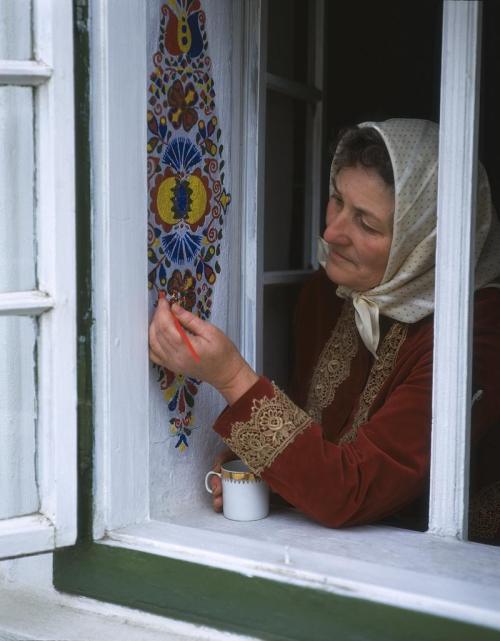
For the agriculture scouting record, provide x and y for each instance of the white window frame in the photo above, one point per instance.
(50, 73)
(457, 188)
(430, 572)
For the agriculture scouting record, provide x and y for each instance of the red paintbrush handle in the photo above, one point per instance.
(186, 340)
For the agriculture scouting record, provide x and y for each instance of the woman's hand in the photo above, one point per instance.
(219, 364)
(216, 483)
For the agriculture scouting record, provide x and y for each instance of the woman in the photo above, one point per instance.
(354, 446)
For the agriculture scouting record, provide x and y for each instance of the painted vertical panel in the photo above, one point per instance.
(176, 474)
(457, 182)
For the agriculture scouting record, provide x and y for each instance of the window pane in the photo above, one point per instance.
(17, 257)
(279, 307)
(15, 29)
(18, 490)
(288, 39)
(284, 216)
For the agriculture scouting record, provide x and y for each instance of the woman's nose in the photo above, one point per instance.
(336, 229)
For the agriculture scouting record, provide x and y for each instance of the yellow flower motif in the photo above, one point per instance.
(225, 199)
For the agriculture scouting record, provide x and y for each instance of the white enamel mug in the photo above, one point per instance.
(245, 496)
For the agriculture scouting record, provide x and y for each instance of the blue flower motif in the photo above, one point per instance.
(181, 246)
(182, 155)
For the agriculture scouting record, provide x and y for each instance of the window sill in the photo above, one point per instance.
(424, 573)
(30, 615)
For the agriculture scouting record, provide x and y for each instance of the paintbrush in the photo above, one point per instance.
(181, 331)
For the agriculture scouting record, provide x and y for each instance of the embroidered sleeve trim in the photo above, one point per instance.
(334, 364)
(381, 369)
(484, 513)
(273, 425)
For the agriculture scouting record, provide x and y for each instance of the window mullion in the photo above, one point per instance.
(56, 267)
(316, 138)
(286, 276)
(27, 73)
(293, 89)
(31, 303)
(454, 268)
(253, 110)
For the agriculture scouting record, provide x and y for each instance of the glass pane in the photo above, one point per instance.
(288, 39)
(279, 308)
(17, 256)
(285, 183)
(15, 29)
(18, 489)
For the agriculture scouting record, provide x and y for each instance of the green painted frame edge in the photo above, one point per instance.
(263, 608)
(85, 320)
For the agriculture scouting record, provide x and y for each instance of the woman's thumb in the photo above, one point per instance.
(191, 322)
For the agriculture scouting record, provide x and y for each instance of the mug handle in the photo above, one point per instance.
(209, 489)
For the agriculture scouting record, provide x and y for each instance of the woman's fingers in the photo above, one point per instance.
(164, 324)
(153, 356)
(194, 324)
(217, 504)
(166, 345)
(222, 457)
(216, 485)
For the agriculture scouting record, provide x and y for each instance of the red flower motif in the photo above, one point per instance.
(181, 103)
(182, 288)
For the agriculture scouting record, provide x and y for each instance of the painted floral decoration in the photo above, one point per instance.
(187, 197)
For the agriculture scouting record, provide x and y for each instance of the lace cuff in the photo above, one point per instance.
(274, 424)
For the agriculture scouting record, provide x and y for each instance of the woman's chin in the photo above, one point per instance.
(337, 275)
(341, 276)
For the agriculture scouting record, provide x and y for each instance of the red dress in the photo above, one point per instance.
(354, 444)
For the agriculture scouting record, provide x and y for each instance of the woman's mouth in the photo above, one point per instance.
(335, 255)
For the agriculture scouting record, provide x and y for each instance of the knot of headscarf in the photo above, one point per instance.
(367, 320)
(406, 292)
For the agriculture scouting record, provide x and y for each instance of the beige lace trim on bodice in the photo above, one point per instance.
(334, 367)
(381, 369)
(334, 363)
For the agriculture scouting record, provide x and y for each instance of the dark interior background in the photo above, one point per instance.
(489, 135)
(383, 59)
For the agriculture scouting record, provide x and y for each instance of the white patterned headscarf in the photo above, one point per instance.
(406, 292)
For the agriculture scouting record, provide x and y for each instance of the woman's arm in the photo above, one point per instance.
(382, 470)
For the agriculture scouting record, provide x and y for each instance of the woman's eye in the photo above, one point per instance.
(366, 227)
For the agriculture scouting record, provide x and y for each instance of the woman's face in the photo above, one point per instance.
(359, 228)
